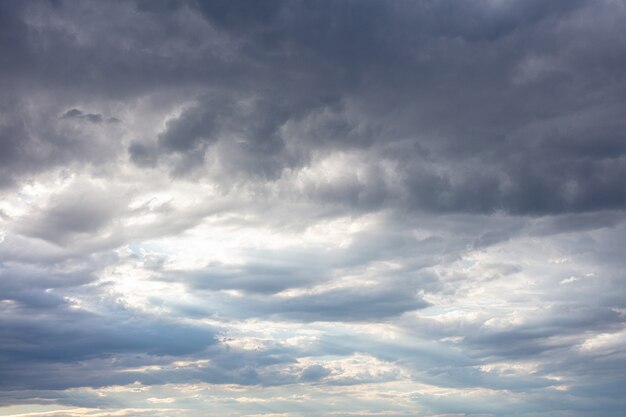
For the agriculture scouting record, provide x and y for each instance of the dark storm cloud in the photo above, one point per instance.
(522, 87)
(541, 150)
(247, 126)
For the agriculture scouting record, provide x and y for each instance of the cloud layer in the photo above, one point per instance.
(329, 208)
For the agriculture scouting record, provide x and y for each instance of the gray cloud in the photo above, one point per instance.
(315, 195)
(90, 117)
(347, 305)
(49, 349)
(444, 57)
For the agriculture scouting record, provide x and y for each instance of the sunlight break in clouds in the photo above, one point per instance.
(330, 208)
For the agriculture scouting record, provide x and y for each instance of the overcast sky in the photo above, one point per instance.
(313, 208)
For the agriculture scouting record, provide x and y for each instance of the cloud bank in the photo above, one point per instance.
(329, 208)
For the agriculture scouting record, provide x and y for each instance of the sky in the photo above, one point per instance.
(345, 208)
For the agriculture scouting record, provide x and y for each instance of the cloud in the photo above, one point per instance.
(65, 347)
(248, 99)
(313, 208)
(346, 304)
(90, 117)
(84, 209)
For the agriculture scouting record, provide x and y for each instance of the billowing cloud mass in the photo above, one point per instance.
(313, 208)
